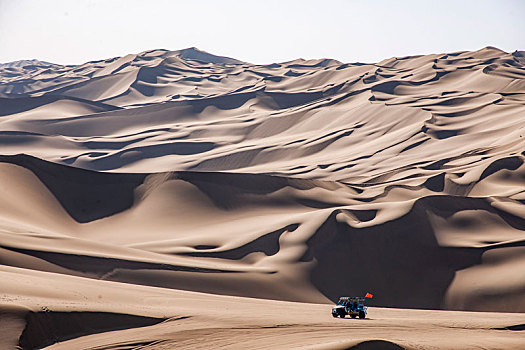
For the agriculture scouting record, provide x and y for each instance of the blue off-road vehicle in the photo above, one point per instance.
(352, 306)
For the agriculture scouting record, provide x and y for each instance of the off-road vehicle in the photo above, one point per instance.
(352, 306)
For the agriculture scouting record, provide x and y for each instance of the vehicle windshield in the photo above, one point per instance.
(351, 301)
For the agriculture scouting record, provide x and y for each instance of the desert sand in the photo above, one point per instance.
(179, 200)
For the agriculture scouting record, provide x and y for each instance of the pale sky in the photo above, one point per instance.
(76, 31)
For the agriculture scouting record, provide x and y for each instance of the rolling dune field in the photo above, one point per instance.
(178, 199)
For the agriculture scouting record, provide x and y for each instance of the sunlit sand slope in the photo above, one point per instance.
(107, 315)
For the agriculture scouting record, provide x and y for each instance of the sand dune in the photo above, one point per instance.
(174, 173)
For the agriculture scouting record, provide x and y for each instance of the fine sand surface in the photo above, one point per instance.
(109, 315)
(177, 199)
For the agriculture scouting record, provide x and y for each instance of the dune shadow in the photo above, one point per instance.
(267, 244)
(46, 328)
(85, 195)
(391, 259)
(375, 345)
(516, 327)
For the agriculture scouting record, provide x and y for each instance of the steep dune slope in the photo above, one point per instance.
(263, 236)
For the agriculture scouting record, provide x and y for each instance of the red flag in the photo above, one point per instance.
(368, 295)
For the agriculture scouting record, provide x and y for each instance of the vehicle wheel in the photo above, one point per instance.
(334, 315)
(342, 315)
(362, 314)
